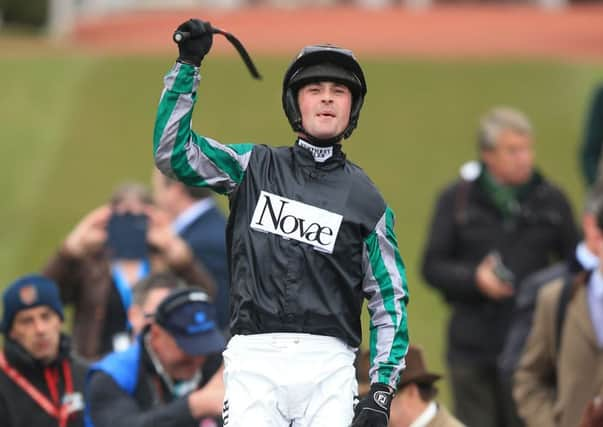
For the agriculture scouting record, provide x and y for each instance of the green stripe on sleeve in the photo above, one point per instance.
(183, 154)
(387, 286)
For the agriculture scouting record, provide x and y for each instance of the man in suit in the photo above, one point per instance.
(560, 371)
(197, 219)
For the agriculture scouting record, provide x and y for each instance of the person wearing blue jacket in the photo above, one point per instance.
(171, 375)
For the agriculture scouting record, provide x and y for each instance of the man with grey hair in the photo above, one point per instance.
(501, 221)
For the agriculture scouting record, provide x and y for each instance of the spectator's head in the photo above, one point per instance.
(130, 197)
(415, 391)
(506, 145)
(148, 294)
(173, 196)
(33, 316)
(184, 332)
(323, 93)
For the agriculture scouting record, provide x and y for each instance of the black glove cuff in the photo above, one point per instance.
(189, 61)
(382, 394)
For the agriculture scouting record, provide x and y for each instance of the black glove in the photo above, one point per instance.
(193, 49)
(373, 410)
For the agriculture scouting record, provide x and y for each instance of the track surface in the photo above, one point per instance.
(461, 31)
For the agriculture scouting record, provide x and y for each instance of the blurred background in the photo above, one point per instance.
(82, 78)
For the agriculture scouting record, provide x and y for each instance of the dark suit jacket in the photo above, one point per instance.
(207, 238)
(466, 226)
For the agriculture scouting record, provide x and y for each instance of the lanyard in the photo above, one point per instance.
(123, 286)
(177, 389)
(56, 409)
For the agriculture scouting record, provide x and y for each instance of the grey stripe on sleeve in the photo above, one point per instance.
(170, 78)
(389, 259)
(242, 159)
(379, 316)
(170, 134)
(206, 168)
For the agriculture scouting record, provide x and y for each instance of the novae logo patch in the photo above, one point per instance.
(295, 220)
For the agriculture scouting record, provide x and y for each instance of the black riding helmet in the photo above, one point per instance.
(323, 63)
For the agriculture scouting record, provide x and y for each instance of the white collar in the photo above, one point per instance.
(191, 213)
(320, 154)
(426, 416)
(586, 258)
(596, 284)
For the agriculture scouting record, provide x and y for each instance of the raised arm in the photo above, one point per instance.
(179, 152)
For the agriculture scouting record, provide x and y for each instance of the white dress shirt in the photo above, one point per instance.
(595, 304)
(426, 416)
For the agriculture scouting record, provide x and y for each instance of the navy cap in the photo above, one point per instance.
(189, 316)
(28, 292)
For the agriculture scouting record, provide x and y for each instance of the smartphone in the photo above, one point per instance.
(501, 271)
(127, 236)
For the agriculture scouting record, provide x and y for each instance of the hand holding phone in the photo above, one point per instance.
(500, 270)
(493, 279)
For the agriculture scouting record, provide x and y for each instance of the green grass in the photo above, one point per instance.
(74, 126)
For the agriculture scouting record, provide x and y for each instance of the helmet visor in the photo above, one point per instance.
(326, 72)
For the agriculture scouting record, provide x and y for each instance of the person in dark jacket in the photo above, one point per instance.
(41, 382)
(171, 376)
(200, 223)
(592, 144)
(500, 222)
(309, 238)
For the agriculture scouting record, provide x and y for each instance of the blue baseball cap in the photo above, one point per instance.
(190, 317)
(27, 292)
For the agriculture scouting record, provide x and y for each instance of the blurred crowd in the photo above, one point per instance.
(501, 221)
(525, 335)
(146, 275)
